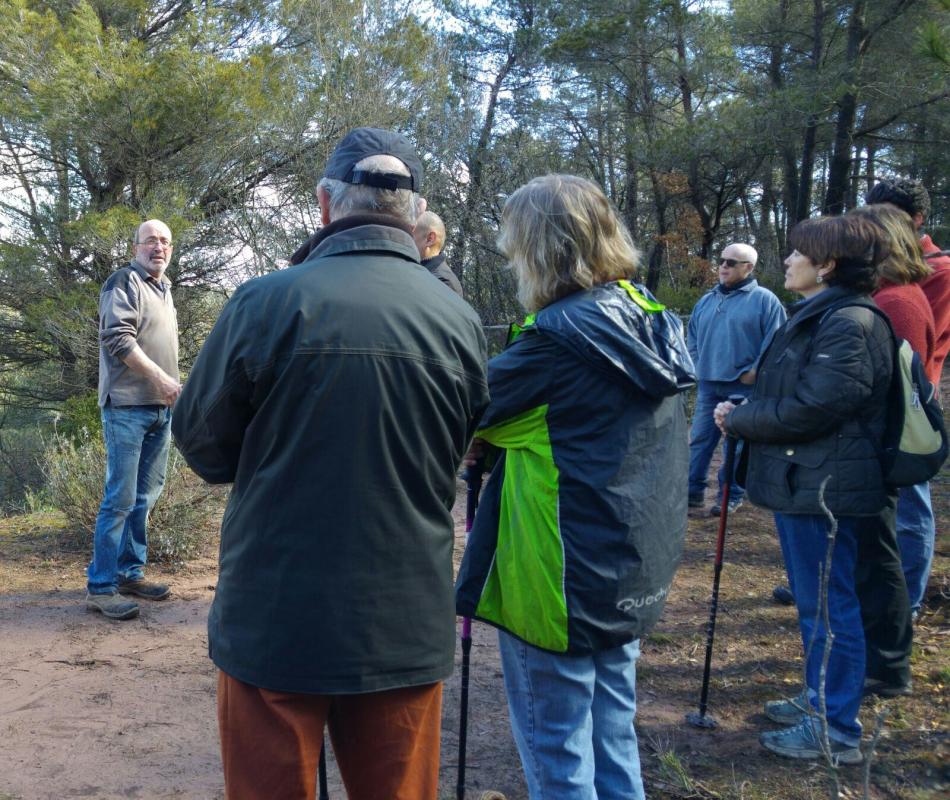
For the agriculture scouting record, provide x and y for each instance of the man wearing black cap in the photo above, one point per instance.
(339, 396)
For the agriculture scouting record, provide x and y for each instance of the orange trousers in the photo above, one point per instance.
(386, 743)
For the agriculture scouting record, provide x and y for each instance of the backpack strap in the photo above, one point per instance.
(870, 305)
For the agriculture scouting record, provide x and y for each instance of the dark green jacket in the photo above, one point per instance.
(339, 396)
(581, 525)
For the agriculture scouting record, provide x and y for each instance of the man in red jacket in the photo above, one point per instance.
(916, 530)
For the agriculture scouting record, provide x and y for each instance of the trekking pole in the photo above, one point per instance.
(473, 481)
(700, 720)
(322, 772)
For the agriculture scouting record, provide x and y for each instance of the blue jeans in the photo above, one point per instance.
(704, 436)
(137, 440)
(916, 532)
(572, 719)
(804, 542)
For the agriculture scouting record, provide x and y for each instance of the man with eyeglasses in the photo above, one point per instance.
(138, 385)
(728, 330)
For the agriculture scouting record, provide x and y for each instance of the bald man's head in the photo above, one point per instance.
(152, 248)
(736, 263)
(429, 234)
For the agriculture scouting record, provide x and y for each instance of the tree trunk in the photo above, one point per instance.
(854, 180)
(840, 167)
(871, 179)
(807, 173)
(789, 159)
(473, 196)
(659, 245)
(696, 198)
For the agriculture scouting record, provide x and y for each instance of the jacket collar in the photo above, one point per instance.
(145, 275)
(746, 287)
(356, 232)
(433, 263)
(822, 302)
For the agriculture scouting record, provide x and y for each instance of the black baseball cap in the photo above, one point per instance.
(361, 143)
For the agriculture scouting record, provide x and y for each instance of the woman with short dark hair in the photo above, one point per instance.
(581, 525)
(813, 427)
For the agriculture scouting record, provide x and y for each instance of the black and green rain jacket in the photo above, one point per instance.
(581, 525)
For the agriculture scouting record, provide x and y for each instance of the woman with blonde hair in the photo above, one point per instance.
(581, 524)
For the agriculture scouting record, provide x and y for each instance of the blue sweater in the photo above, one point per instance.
(728, 331)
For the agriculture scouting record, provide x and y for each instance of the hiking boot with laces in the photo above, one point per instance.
(801, 741)
(113, 606)
(142, 588)
(787, 711)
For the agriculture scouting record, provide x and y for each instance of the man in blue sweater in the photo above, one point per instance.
(728, 330)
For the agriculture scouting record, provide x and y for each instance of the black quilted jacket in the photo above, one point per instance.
(818, 409)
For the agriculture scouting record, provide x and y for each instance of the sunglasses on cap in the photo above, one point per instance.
(731, 262)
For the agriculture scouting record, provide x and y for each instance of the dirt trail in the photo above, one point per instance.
(91, 708)
(101, 709)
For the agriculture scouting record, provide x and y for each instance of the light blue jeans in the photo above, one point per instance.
(916, 532)
(704, 436)
(137, 440)
(572, 719)
(804, 543)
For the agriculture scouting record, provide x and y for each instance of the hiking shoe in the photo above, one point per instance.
(886, 688)
(140, 588)
(715, 510)
(694, 501)
(112, 606)
(788, 711)
(800, 741)
(782, 594)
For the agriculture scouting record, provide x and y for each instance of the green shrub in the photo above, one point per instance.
(180, 525)
(80, 418)
(20, 472)
(680, 299)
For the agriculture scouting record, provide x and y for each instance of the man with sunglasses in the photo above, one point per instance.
(138, 385)
(728, 330)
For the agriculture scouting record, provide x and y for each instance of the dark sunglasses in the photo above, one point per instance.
(730, 262)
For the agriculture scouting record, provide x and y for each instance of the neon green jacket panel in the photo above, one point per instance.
(609, 372)
(528, 602)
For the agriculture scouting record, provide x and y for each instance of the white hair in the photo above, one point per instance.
(742, 252)
(350, 198)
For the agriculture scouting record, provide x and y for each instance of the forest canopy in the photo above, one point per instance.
(704, 121)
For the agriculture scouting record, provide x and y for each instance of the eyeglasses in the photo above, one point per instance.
(731, 262)
(154, 240)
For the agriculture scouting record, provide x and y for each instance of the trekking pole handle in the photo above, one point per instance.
(736, 400)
